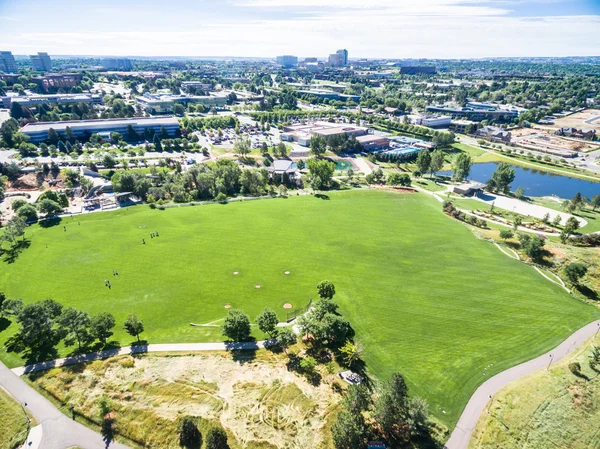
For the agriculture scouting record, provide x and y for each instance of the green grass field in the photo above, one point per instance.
(425, 296)
(13, 423)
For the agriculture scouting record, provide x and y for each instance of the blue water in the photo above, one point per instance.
(537, 182)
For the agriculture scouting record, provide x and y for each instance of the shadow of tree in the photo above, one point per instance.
(50, 222)
(12, 254)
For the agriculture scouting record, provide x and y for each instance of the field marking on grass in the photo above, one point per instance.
(561, 283)
(470, 416)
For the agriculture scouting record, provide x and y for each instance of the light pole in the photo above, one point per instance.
(23, 405)
(548, 367)
(490, 404)
(597, 330)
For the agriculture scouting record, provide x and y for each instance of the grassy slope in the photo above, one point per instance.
(545, 409)
(13, 424)
(426, 298)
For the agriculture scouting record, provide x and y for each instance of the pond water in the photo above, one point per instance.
(343, 165)
(537, 182)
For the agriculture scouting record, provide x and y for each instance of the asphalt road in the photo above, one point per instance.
(468, 420)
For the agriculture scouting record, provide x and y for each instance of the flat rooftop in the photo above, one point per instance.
(134, 121)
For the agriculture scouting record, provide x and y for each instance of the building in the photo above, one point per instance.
(462, 126)
(329, 95)
(36, 100)
(371, 142)
(48, 83)
(302, 133)
(117, 64)
(41, 62)
(336, 60)
(417, 70)
(469, 188)
(477, 113)
(314, 66)
(38, 132)
(584, 133)
(7, 62)
(283, 166)
(434, 121)
(189, 85)
(165, 103)
(494, 134)
(309, 60)
(287, 61)
(343, 56)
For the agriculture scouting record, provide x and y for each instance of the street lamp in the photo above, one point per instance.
(548, 367)
(490, 403)
(598, 330)
(23, 405)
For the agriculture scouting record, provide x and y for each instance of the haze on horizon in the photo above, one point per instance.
(266, 28)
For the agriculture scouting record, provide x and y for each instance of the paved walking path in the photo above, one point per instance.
(58, 431)
(468, 420)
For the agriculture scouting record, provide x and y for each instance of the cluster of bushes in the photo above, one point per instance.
(43, 324)
(49, 203)
(586, 240)
(451, 210)
(200, 124)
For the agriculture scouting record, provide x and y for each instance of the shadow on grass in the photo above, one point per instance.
(587, 292)
(243, 356)
(12, 254)
(50, 222)
(322, 196)
(4, 323)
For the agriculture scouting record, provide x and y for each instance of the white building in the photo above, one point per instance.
(433, 121)
(117, 64)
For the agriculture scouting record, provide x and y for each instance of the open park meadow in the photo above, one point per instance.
(424, 295)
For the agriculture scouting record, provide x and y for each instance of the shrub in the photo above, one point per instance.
(189, 435)
(308, 364)
(575, 368)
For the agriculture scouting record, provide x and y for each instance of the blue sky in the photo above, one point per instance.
(376, 28)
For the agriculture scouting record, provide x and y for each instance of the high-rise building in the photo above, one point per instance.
(117, 64)
(343, 56)
(7, 62)
(336, 60)
(41, 62)
(287, 61)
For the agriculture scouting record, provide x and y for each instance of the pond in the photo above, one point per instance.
(537, 182)
(343, 165)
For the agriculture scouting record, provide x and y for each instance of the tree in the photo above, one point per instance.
(533, 246)
(189, 435)
(109, 161)
(16, 110)
(349, 431)
(14, 229)
(242, 145)
(321, 172)
(519, 192)
(267, 322)
(326, 289)
(101, 326)
(179, 110)
(282, 149)
(286, 338)
(76, 327)
(574, 272)
(28, 212)
(308, 365)
(318, 145)
(157, 145)
(595, 202)
(49, 207)
(216, 438)
(503, 176)
(38, 327)
(236, 326)
(351, 352)
(398, 179)
(134, 326)
(418, 416)
(506, 234)
(423, 161)
(569, 229)
(391, 408)
(437, 162)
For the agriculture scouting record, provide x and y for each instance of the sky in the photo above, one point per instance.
(267, 28)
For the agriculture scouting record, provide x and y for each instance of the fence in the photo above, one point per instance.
(293, 314)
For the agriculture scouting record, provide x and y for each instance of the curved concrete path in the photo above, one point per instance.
(468, 420)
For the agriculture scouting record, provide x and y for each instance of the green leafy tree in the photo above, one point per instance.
(101, 326)
(134, 326)
(242, 145)
(286, 338)
(437, 162)
(236, 326)
(157, 145)
(503, 176)
(318, 146)
(423, 161)
(75, 325)
(398, 179)
(14, 229)
(571, 226)
(109, 161)
(216, 438)
(575, 271)
(506, 234)
(267, 322)
(39, 329)
(391, 409)
(308, 365)
(595, 202)
(351, 352)
(519, 192)
(49, 207)
(28, 212)
(326, 289)
(349, 431)
(533, 246)
(321, 172)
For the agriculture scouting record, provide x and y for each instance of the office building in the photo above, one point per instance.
(187, 86)
(41, 62)
(310, 60)
(117, 64)
(417, 70)
(287, 61)
(165, 103)
(434, 121)
(343, 56)
(302, 133)
(36, 100)
(55, 81)
(7, 62)
(336, 60)
(495, 112)
(38, 132)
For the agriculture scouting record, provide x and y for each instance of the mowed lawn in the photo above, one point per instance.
(425, 296)
(13, 422)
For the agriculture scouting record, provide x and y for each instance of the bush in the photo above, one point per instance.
(189, 435)
(308, 365)
(216, 438)
(221, 197)
(575, 368)
(506, 234)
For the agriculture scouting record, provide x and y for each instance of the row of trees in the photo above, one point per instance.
(43, 324)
